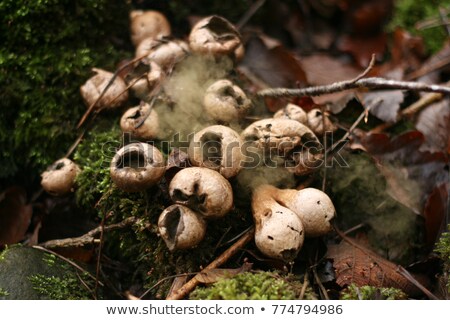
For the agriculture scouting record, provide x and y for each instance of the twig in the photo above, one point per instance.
(443, 15)
(426, 69)
(191, 284)
(165, 279)
(304, 286)
(249, 14)
(411, 279)
(132, 83)
(68, 261)
(89, 237)
(319, 283)
(369, 83)
(151, 104)
(97, 269)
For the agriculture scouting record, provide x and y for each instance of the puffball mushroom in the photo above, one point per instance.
(313, 207)
(216, 36)
(146, 83)
(137, 166)
(132, 117)
(293, 112)
(217, 148)
(278, 231)
(316, 122)
(181, 227)
(115, 96)
(148, 24)
(286, 140)
(203, 190)
(166, 53)
(59, 178)
(225, 102)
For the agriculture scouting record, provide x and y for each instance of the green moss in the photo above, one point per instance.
(48, 48)
(3, 293)
(354, 292)
(57, 288)
(409, 12)
(443, 249)
(252, 286)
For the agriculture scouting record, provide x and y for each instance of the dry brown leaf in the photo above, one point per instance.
(214, 275)
(363, 267)
(15, 215)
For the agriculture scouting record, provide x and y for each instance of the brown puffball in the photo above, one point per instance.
(59, 178)
(314, 208)
(287, 141)
(166, 53)
(225, 102)
(181, 227)
(136, 167)
(317, 122)
(115, 96)
(216, 36)
(145, 86)
(148, 24)
(293, 112)
(218, 148)
(203, 190)
(145, 117)
(278, 231)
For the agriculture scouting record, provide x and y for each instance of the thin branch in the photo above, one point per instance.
(89, 237)
(249, 14)
(191, 284)
(369, 83)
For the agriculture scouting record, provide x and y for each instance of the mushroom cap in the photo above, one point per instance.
(148, 24)
(294, 143)
(115, 96)
(217, 148)
(314, 208)
(316, 122)
(293, 112)
(59, 178)
(165, 53)
(145, 87)
(137, 166)
(181, 227)
(133, 116)
(225, 102)
(216, 36)
(278, 230)
(204, 190)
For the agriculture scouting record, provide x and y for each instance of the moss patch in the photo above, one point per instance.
(354, 292)
(443, 249)
(409, 12)
(48, 48)
(252, 286)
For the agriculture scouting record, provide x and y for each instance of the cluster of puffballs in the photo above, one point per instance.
(202, 192)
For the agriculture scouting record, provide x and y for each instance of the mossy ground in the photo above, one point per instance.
(443, 249)
(253, 286)
(354, 292)
(408, 13)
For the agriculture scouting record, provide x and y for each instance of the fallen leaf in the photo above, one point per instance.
(436, 213)
(214, 275)
(15, 215)
(434, 123)
(385, 103)
(361, 266)
(362, 48)
(273, 64)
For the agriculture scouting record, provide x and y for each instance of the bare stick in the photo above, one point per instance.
(191, 284)
(408, 276)
(250, 13)
(369, 83)
(89, 237)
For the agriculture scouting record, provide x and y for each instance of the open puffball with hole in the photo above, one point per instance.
(136, 167)
(218, 148)
(59, 178)
(203, 190)
(148, 24)
(225, 102)
(181, 227)
(279, 231)
(145, 80)
(141, 122)
(216, 36)
(287, 141)
(320, 123)
(115, 96)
